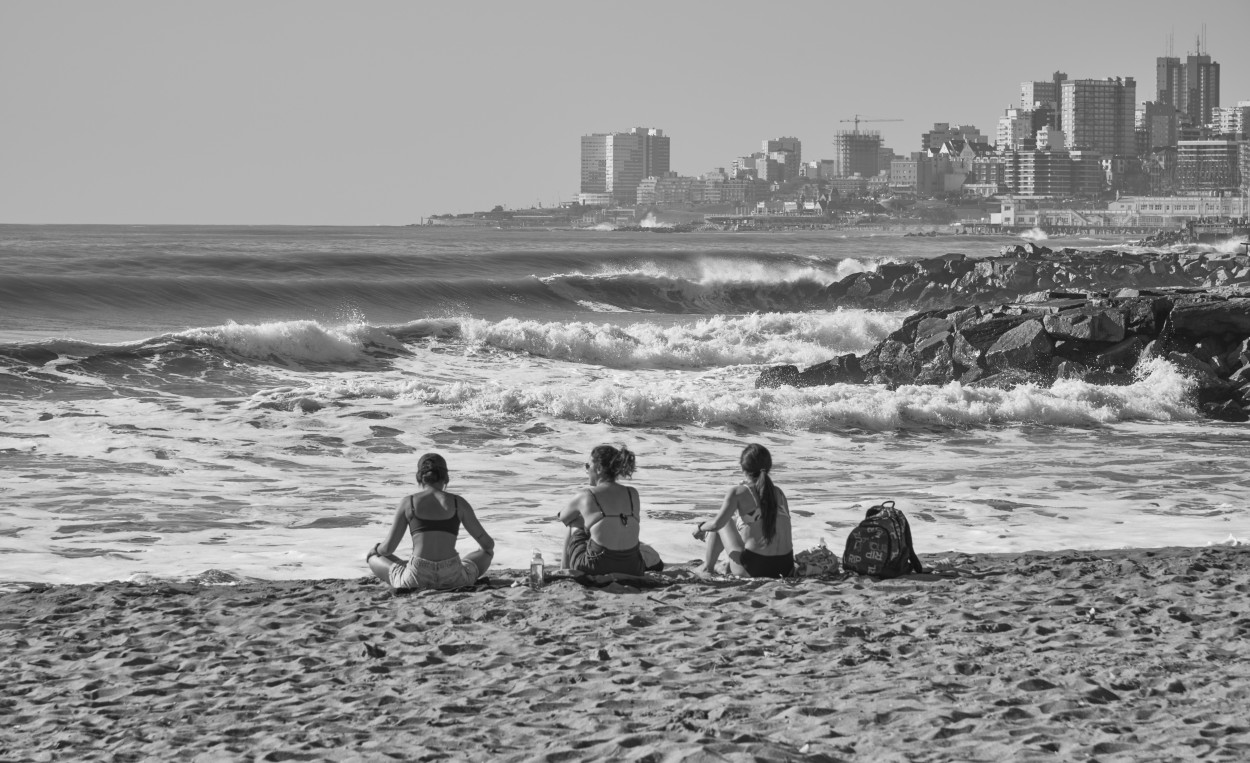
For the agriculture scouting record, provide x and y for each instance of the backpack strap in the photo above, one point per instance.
(913, 561)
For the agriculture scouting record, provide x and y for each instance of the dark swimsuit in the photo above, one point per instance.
(763, 566)
(585, 555)
(451, 524)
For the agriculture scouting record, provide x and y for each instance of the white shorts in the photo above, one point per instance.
(422, 574)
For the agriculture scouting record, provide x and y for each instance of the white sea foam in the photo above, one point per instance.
(725, 399)
(800, 338)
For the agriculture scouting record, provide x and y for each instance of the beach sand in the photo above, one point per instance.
(1119, 655)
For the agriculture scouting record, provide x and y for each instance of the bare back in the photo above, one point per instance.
(611, 515)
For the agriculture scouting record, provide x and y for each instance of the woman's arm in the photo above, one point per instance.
(398, 527)
(571, 512)
(474, 526)
(726, 510)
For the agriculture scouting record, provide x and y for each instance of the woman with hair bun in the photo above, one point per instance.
(433, 518)
(758, 540)
(603, 518)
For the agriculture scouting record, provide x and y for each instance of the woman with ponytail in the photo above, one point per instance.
(433, 518)
(758, 540)
(603, 518)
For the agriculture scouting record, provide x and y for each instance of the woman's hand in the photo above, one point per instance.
(699, 533)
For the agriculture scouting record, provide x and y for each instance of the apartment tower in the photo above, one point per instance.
(1099, 114)
(1043, 94)
(1193, 87)
(613, 164)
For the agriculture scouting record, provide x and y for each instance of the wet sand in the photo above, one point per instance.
(1119, 655)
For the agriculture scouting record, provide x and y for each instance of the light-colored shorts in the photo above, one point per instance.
(421, 574)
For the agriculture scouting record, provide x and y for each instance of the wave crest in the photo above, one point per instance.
(1161, 393)
(802, 338)
(292, 341)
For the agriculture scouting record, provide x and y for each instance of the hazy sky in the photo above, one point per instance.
(385, 112)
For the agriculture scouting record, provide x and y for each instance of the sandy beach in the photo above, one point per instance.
(1118, 655)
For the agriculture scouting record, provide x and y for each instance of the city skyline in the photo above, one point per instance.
(317, 113)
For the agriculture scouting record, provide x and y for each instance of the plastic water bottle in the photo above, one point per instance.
(536, 570)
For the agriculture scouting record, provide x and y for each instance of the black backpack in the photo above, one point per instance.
(881, 544)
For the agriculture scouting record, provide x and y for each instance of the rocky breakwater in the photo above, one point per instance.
(1098, 337)
(1023, 269)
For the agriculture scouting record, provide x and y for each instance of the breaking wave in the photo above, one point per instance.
(1161, 393)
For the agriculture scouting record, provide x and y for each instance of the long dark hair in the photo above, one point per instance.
(756, 461)
(612, 462)
(432, 469)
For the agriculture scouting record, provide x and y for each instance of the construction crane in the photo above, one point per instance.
(857, 120)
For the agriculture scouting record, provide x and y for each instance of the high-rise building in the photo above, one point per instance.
(1202, 87)
(1208, 166)
(858, 152)
(1193, 87)
(1015, 131)
(1044, 93)
(788, 153)
(1169, 80)
(1099, 114)
(1038, 173)
(1159, 121)
(613, 164)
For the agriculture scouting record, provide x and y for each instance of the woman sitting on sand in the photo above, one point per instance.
(603, 519)
(758, 539)
(433, 518)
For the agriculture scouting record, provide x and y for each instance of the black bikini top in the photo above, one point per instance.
(633, 512)
(451, 524)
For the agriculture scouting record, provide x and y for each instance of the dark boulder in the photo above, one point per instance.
(844, 369)
(778, 376)
(1026, 347)
(891, 363)
(1089, 324)
(1226, 410)
(1211, 318)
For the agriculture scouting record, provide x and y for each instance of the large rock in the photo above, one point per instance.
(1123, 354)
(892, 362)
(1144, 314)
(964, 354)
(844, 369)
(1025, 347)
(986, 332)
(1094, 325)
(778, 376)
(1211, 318)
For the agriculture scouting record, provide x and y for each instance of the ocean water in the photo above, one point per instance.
(177, 402)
